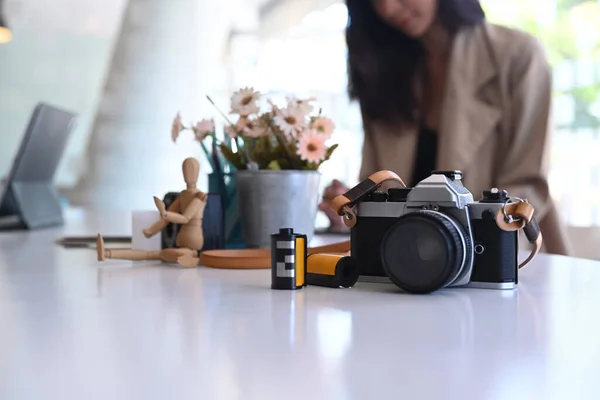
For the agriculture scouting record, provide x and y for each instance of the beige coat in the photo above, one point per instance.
(495, 124)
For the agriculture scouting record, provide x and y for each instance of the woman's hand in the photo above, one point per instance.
(334, 189)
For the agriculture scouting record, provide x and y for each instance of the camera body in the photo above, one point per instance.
(434, 235)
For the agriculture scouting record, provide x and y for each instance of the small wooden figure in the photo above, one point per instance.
(187, 210)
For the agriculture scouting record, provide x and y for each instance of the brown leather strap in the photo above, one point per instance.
(344, 203)
(257, 258)
(521, 215)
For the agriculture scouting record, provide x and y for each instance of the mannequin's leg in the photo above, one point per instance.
(124, 254)
(181, 256)
(188, 261)
(173, 255)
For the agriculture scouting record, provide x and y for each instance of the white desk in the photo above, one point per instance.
(73, 328)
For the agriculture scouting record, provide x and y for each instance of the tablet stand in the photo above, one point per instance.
(30, 205)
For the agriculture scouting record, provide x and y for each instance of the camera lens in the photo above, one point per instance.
(424, 251)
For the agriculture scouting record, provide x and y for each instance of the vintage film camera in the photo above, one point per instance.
(433, 236)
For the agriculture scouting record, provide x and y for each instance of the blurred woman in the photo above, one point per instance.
(440, 88)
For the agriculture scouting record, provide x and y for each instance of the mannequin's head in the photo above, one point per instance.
(191, 170)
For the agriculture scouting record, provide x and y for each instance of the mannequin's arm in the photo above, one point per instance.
(161, 224)
(189, 212)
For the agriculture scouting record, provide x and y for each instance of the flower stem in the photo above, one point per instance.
(207, 154)
(283, 143)
(282, 139)
(240, 148)
(220, 112)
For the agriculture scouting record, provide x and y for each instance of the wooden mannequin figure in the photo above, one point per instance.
(187, 210)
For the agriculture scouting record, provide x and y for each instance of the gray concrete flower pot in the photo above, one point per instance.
(270, 200)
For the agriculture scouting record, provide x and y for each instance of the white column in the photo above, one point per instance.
(168, 56)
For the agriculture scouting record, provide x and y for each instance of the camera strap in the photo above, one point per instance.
(344, 203)
(519, 215)
(513, 216)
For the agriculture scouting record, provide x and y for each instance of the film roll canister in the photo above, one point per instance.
(331, 270)
(288, 260)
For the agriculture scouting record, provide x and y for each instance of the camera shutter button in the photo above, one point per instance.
(494, 195)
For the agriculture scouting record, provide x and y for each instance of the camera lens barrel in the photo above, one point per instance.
(425, 251)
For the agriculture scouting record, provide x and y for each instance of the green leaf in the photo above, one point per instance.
(284, 163)
(327, 156)
(330, 151)
(274, 165)
(234, 158)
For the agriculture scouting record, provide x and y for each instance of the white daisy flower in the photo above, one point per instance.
(311, 147)
(250, 128)
(290, 121)
(255, 130)
(176, 128)
(204, 128)
(245, 102)
(230, 130)
(302, 106)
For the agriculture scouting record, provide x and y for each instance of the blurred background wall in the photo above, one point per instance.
(128, 66)
(60, 53)
(168, 55)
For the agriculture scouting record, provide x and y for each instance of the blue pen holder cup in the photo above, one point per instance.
(231, 215)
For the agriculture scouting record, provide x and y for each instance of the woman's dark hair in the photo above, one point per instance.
(383, 61)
